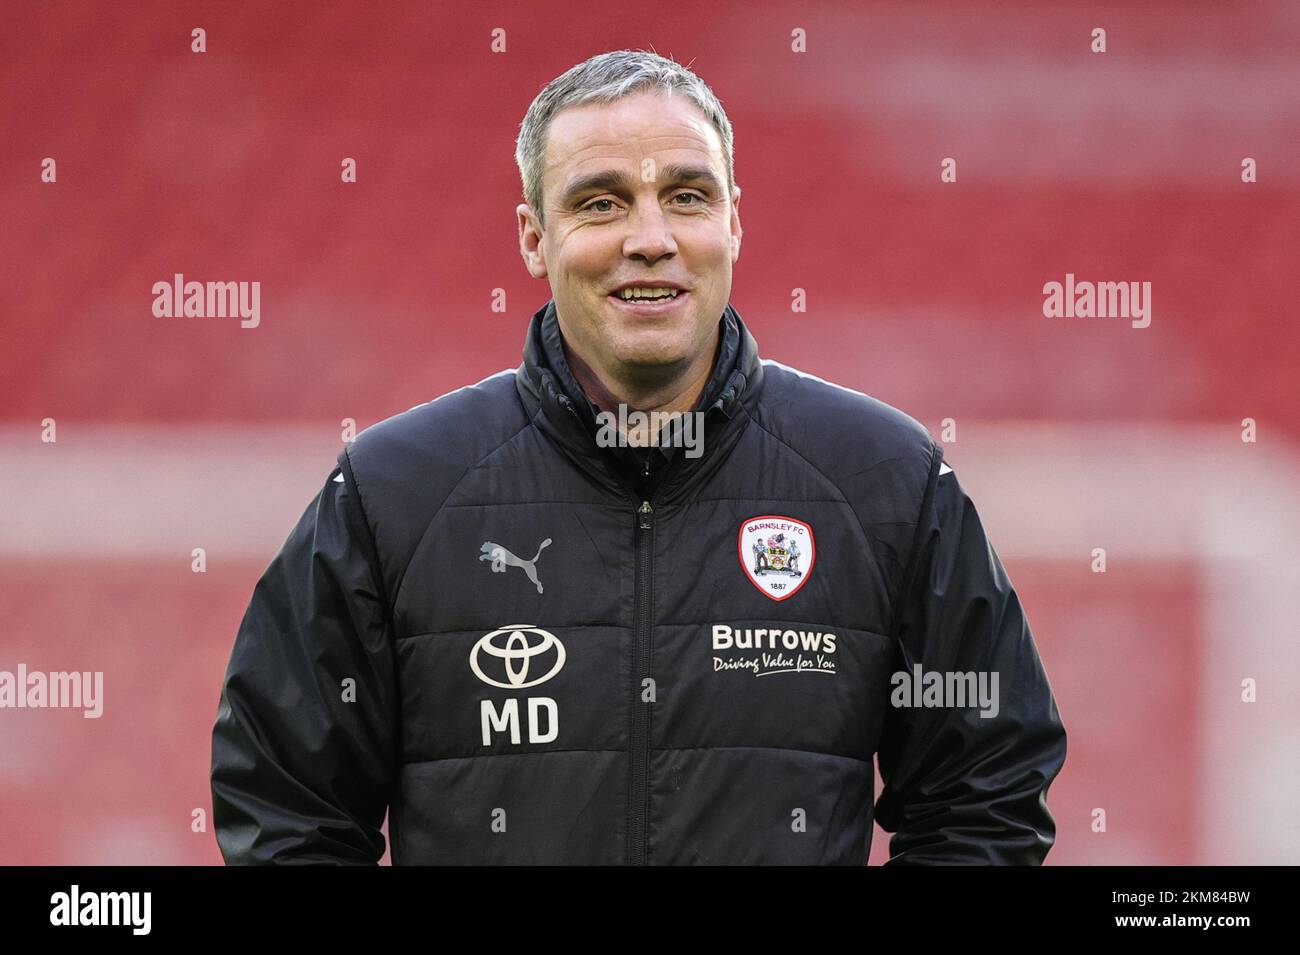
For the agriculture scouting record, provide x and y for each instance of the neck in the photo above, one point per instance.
(674, 391)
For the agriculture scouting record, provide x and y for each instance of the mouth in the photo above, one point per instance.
(665, 301)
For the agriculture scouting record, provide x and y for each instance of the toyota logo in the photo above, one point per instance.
(516, 652)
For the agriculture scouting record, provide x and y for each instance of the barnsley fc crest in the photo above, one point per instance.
(776, 554)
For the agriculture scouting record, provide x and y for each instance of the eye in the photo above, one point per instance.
(689, 195)
(591, 206)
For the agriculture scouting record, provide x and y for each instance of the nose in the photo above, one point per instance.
(649, 236)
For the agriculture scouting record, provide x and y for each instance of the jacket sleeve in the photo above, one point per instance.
(303, 761)
(961, 787)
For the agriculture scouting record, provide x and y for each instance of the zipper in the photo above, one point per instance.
(638, 793)
(638, 800)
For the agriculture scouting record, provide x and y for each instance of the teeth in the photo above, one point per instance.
(630, 293)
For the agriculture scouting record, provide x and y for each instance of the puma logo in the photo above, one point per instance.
(502, 558)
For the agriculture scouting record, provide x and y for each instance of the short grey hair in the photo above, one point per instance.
(602, 79)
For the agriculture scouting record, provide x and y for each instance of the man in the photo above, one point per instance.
(633, 692)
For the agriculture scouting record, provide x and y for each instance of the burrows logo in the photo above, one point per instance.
(776, 554)
(775, 649)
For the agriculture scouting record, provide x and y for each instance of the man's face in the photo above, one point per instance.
(635, 190)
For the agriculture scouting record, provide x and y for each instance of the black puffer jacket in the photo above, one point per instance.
(527, 651)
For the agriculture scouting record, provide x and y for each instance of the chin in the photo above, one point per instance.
(655, 346)
(650, 357)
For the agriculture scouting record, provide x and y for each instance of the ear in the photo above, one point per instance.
(736, 230)
(530, 241)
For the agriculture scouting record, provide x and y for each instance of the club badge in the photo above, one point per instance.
(776, 554)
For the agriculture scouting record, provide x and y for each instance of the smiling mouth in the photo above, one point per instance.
(650, 305)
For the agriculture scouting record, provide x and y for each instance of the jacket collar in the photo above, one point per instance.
(558, 406)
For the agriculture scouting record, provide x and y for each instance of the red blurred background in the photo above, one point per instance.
(1071, 434)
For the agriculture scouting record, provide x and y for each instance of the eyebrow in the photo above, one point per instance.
(610, 180)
